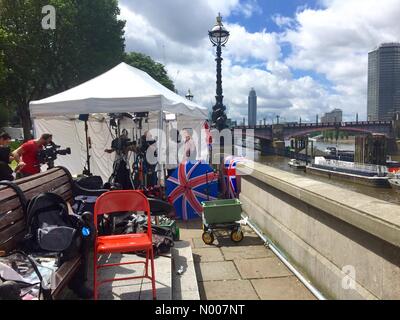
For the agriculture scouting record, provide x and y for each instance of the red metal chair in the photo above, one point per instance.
(123, 201)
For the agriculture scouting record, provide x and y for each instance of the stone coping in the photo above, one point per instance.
(374, 216)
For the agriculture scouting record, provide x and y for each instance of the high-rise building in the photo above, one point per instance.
(335, 115)
(384, 82)
(252, 108)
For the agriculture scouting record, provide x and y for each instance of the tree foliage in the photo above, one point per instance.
(154, 69)
(88, 40)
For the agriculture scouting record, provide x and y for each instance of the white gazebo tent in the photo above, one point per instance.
(123, 89)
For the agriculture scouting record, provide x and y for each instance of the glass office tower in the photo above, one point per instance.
(384, 82)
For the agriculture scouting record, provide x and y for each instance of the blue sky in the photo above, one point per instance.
(302, 57)
(261, 20)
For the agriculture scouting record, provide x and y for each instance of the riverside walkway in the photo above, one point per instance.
(244, 271)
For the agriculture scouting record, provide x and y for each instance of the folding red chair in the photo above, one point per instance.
(123, 201)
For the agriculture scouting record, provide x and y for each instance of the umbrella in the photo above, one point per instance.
(230, 176)
(189, 185)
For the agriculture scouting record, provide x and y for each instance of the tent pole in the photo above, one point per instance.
(88, 172)
(160, 130)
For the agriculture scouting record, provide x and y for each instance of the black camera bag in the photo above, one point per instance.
(51, 228)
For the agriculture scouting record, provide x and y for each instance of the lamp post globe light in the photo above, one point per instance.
(219, 37)
(189, 95)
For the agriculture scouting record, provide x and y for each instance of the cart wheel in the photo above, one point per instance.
(237, 235)
(208, 238)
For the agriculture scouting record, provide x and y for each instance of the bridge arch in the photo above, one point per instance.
(299, 133)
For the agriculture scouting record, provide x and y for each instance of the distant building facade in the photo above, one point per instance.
(15, 133)
(252, 108)
(384, 82)
(335, 115)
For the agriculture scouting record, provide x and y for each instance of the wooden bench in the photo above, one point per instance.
(13, 218)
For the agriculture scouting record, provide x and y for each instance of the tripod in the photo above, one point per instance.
(121, 173)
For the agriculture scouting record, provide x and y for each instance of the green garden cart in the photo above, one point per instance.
(222, 215)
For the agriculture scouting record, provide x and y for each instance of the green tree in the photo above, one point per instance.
(154, 69)
(88, 40)
(3, 117)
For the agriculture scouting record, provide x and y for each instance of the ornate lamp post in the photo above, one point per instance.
(219, 37)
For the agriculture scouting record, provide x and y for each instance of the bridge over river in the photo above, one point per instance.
(293, 130)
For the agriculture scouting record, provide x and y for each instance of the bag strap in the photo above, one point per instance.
(43, 287)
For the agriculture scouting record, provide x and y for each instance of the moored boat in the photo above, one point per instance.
(371, 175)
(395, 184)
(296, 164)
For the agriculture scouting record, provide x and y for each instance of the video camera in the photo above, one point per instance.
(144, 144)
(120, 144)
(50, 152)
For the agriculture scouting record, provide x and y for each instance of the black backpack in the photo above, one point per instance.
(51, 228)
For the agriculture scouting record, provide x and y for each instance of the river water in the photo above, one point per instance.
(386, 194)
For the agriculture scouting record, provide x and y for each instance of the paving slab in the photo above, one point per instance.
(184, 283)
(238, 271)
(228, 290)
(190, 233)
(250, 239)
(288, 288)
(199, 243)
(139, 289)
(194, 224)
(207, 254)
(246, 252)
(262, 268)
(212, 271)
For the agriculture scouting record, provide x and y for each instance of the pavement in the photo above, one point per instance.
(138, 289)
(244, 271)
(194, 270)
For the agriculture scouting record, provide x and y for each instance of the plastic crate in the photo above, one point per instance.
(222, 211)
(173, 227)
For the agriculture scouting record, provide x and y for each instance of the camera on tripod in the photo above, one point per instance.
(50, 152)
(144, 144)
(122, 143)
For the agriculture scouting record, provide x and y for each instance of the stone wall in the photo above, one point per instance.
(327, 231)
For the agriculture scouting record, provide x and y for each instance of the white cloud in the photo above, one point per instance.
(248, 8)
(244, 46)
(283, 21)
(332, 41)
(335, 41)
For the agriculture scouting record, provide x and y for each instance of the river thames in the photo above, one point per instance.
(387, 194)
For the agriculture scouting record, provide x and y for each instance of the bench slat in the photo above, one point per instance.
(13, 243)
(6, 193)
(35, 181)
(26, 186)
(39, 175)
(12, 230)
(53, 186)
(9, 218)
(11, 204)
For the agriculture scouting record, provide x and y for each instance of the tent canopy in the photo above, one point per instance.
(121, 89)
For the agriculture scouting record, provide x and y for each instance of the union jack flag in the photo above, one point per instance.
(189, 185)
(230, 175)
